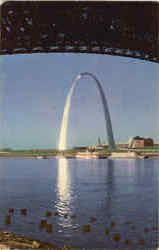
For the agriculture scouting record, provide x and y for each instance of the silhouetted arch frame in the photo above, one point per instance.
(128, 29)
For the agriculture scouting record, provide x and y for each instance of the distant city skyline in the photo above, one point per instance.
(34, 90)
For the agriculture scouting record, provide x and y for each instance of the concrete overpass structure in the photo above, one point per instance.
(128, 29)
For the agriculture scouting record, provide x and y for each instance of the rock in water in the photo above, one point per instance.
(35, 244)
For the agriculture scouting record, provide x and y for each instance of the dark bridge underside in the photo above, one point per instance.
(116, 28)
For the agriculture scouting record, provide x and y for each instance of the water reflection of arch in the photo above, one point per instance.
(66, 193)
(63, 181)
(110, 175)
(110, 186)
(63, 189)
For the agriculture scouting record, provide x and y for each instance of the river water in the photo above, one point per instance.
(123, 191)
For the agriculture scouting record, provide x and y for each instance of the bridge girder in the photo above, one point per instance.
(116, 28)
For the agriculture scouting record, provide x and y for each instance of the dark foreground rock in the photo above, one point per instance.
(11, 241)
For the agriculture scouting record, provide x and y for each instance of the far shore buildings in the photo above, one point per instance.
(140, 142)
(135, 142)
(98, 146)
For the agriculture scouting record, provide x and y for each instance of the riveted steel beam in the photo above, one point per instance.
(128, 29)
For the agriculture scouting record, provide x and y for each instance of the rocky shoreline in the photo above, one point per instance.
(10, 241)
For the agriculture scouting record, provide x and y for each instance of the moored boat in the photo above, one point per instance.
(39, 157)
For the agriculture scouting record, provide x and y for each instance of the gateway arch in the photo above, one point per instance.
(64, 125)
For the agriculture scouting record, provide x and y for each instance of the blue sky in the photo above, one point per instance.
(31, 85)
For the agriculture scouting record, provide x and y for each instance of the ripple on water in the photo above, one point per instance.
(122, 206)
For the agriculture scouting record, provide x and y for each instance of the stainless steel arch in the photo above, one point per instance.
(63, 131)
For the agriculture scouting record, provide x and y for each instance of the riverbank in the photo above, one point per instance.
(129, 155)
(10, 241)
(83, 155)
